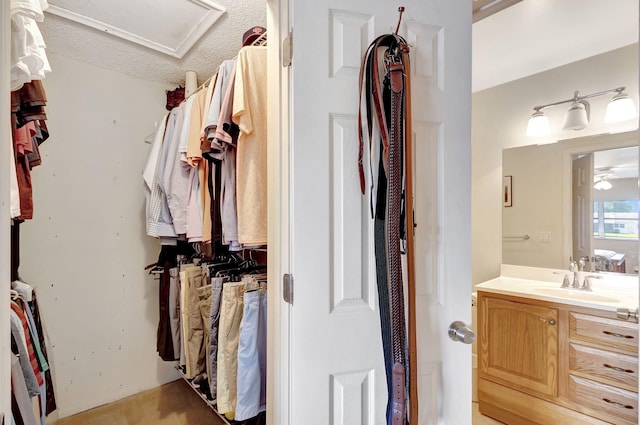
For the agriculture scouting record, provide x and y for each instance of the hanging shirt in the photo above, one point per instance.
(28, 58)
(184, 135)
(175, 180)
(194, 208)
(165, 223)
(28, 355)
(194, 157)
(223, 137)
(33, 9)
(226, 74)
(250, 113)
(152, 191)
(194, 153)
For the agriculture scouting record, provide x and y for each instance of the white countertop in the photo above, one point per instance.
(609, 293)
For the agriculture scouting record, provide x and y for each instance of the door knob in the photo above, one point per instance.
(460, 332)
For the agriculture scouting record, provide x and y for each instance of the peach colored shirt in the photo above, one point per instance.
(250, 114)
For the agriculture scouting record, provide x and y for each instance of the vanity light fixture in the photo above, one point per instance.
(621, 108)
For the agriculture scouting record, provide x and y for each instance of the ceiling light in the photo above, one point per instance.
(603, 184)
(621, 108)
(538, 125)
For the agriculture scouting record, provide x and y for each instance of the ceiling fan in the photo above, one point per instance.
(601, 178)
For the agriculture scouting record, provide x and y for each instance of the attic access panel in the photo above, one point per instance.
(171, 27)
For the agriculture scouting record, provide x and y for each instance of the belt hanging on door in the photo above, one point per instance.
(384, 80)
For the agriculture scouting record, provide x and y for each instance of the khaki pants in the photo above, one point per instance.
(204, 305)
(194, 338)
(214, 325)
(228, 335)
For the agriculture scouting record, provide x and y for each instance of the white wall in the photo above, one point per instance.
(86, 248)
(499, 119)
(537, 192)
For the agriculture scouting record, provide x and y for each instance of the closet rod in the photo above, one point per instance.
(260, 41)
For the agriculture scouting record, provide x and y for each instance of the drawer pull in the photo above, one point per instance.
(617, 335)
(617, 369)
(615, 403)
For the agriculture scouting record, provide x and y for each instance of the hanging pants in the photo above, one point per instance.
(252, 348)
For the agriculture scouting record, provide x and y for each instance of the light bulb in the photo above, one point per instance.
(621, 108)
(538, 125)
(576, 117)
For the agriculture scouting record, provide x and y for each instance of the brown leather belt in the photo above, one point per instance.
(385, 97)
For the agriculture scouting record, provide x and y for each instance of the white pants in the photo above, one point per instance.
(252, 346)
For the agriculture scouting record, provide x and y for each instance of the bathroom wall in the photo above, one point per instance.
(86, 248)
(499, 120)
(539, 204)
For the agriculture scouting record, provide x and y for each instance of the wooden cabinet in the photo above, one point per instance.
(603, 367)
(551, 363)
(519, 345)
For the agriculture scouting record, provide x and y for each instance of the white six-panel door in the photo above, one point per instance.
(335, 357)
(582, 208)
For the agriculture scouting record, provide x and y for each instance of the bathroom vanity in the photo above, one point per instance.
(549, 355)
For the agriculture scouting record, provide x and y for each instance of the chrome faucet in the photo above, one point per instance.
(582, 262)
(565, 280)
(573, 267)
(586, 284)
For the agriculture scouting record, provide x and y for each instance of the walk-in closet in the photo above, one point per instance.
(108, 102)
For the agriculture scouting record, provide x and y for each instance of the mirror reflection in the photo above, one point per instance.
(573, 200)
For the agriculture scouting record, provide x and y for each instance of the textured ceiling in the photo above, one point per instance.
(66, 38)
(528, 37)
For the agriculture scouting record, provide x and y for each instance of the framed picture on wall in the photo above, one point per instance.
(506, 191)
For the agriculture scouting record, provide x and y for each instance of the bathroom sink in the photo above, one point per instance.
(574, 294)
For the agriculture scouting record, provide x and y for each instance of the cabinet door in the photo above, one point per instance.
(518, 345)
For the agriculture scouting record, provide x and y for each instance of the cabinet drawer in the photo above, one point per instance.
(604, 366)
(603, 331)
(603, 401)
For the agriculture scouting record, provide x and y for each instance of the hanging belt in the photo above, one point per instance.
(394, 201)
(387, 99)
(409, 234)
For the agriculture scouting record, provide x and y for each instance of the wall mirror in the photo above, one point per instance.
(574, 199)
